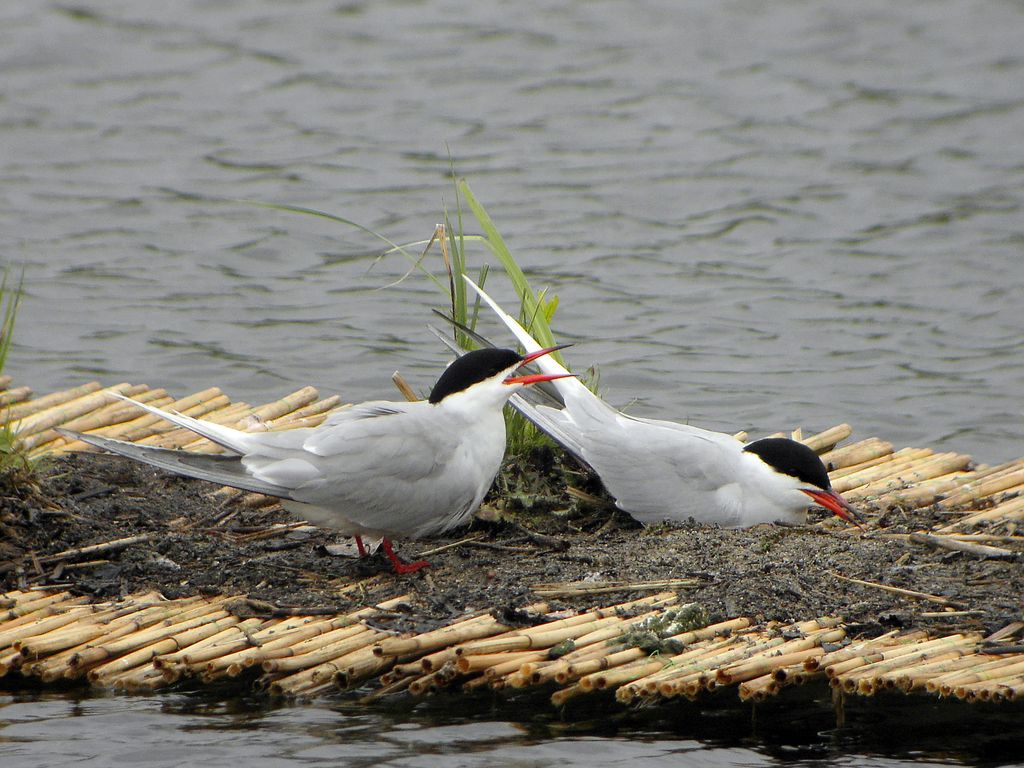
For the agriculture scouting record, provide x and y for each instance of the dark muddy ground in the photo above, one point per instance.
(530, 531)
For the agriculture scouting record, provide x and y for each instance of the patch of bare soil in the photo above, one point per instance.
(186, 539)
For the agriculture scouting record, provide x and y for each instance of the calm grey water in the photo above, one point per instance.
(174, 730)
(757, 215)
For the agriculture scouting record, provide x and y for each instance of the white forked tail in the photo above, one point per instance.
(226, 437)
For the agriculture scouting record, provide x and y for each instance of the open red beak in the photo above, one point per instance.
(541, 352)
(534, 378)
(836, 504)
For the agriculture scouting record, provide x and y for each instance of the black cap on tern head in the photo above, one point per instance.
(791, 458)
(472, 368)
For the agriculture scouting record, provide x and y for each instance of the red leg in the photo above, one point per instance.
(399, 566)
(359, 545)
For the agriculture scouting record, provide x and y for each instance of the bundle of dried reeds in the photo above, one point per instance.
(639, 649)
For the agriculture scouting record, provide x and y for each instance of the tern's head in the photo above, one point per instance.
(489, 365)
(795, 460)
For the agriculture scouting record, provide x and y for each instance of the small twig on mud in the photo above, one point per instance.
(982, 551)
(583, 588)
(93, 549)
(452, 545)
(901, 591)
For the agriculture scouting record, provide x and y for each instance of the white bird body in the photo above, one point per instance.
(386, 469)
(661, 470)
(379, 468)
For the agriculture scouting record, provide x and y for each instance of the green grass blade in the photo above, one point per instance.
(536, 311)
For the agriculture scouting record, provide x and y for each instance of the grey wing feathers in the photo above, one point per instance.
(225, 470)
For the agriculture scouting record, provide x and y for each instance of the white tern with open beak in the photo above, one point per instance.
(379, 468)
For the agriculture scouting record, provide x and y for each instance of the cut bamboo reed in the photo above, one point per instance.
(38, 405)
(825, 440)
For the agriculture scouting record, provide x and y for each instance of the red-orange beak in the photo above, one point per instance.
(534, 378)
(541, 352)
(836, 504)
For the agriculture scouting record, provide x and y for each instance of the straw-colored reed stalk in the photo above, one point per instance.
(106, 412)
(147, 424)
(871, 654)
(357, 658)
(930, 491)
(477, 625)
(141, 647)
(64, 412)
(271, 642)
(863, 647)
(462, 631)
(362, 666)
(903, 591)
(508, 673)
(483, 662)
(300, 398)
(282, 638)
(793, 652)
(915, 472)
(1003, 512)
(853, 454)
(687, 673)
(521, 640)
(42, 604)
(309, 415)
(553, 632)
(972, 493)
(984, 671)
(759, 688)
(16, 596)
(232, 638)
(317, 650)
(983, 551)
(828, 438)
(38, 405)
(900, 461)
(74, 662)
(571, 589)
(108, 418)
(31, 624)
(644, 677)
(12, 396)
(592, 645)
(916, 677)
(576, 667)
(862, 679)
(994, 690)
(88, 625)
(837, 474)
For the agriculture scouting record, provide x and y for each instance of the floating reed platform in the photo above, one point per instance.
(639, 651)
(645, 650)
